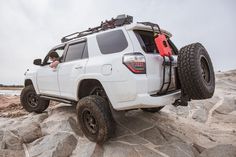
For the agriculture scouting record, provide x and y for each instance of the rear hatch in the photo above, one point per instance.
(154, 63)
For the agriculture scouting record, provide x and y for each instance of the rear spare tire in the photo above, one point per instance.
(196, 72)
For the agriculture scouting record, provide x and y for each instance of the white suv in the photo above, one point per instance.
(117, 66)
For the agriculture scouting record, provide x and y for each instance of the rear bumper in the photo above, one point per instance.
(147, 101)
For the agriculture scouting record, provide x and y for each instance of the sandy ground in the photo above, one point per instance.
(10, 106)
(10, 88)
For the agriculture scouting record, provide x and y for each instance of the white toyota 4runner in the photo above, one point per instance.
(117, 66)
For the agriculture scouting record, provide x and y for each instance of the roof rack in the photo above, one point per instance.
(152, 25)
(120, 20)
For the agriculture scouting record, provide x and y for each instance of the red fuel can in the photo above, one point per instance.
(163, 45)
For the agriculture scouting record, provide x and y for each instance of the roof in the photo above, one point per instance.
(120, 21)
(140, 26)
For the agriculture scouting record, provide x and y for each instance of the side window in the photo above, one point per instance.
(59, 51)
(85, 53)
(76, 51)
(112, 42)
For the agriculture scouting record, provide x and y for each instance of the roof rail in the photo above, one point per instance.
(120, 20)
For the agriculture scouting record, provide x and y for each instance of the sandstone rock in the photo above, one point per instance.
(220, 151)
(132, 139)
(228, 105)
(63, 111)
(60, 144)
(54, 125)
(12, 141)
(121, 131)
(204, 104)
(11, 153)
(117, 149)
(154, 135)
(199, 148)
(178, 149)
(224, 118)
(34, 117)
(145, 152)
(28, 132)
(2, 145)
(134, 123)
(182, 111)
(5, 122)
(167, 133)
(200, 115)
(86, 148)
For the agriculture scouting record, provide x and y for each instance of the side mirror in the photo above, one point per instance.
(38, 62)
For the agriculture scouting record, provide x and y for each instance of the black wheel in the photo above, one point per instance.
(196, 72)
(152, 110)
(31, 102)
(95, 118)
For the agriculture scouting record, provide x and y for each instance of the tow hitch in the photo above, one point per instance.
(183, 101)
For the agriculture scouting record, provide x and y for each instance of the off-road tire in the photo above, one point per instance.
(96, 108)
(196, 72)
(39, 107)
(153, 110)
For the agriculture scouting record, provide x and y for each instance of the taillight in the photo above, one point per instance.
(135, 62)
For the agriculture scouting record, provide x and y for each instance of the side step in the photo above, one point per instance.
(67, 101)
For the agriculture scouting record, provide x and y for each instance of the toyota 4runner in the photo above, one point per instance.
(118, 66)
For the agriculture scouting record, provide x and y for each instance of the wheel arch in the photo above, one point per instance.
(85, 86)
(28, 82)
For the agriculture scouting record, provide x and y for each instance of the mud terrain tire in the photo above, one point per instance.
(196, 72)
(95, 118)
(31, 102)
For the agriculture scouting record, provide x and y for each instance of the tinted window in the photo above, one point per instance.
(75, 51)
(112, 42)
(85, 53)
(146, 40)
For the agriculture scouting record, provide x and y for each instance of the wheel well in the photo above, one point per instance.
(28, 82)
(86, 86)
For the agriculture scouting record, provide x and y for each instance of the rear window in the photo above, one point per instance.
(112, 42)
(146, 41)
(76, 51)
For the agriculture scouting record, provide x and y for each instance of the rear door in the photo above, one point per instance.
(71, 69)
(154, 61)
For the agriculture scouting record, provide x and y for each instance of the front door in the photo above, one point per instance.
(47, 77)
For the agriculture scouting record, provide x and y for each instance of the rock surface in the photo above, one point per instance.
(220, 151)
(205, 128)
(60, 144)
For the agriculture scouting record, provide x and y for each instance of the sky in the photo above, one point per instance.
(30, 28)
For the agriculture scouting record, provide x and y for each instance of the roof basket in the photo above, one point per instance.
(120, 20)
